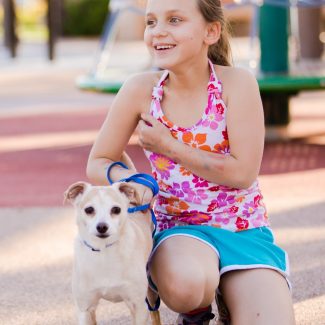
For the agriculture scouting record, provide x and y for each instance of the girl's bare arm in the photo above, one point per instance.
(120, 123)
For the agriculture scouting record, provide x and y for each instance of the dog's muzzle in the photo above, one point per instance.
(102, 230)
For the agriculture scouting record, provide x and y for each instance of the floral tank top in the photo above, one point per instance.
(187, 199)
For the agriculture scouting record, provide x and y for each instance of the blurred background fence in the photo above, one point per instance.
(47, 20)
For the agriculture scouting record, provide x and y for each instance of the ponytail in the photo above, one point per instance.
(218, 53)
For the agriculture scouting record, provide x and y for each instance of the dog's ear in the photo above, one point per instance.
(74, 191)
(130, 192)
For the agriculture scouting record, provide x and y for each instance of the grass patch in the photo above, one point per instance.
(33, 33)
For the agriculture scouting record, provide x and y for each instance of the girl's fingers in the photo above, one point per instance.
(141, 124)
(149, 119)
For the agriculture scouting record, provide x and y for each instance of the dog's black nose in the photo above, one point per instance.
(102, 228)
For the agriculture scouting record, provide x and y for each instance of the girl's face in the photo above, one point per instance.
(175, 32)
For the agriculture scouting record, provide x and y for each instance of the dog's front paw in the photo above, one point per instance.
(87, 318)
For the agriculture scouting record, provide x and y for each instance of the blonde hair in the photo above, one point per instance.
(218, 53)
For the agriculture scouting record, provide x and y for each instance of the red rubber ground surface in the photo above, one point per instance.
(38, 177)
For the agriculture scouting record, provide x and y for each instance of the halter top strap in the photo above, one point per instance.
(158, 90)
(214, 85)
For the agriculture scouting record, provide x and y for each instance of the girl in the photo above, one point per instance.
(200, 123)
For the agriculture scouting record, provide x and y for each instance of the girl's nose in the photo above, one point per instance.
(159, 30)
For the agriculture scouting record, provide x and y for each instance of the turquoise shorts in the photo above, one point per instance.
(248, 249)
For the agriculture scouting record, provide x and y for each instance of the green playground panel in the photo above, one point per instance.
(93, 84)
(290, 83)
(276, 83)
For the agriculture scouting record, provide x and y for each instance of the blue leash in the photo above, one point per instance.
(144, 179)
(150, 182)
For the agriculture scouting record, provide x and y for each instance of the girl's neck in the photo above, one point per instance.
(190, 76)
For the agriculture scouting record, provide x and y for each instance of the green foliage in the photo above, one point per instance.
(84, 17)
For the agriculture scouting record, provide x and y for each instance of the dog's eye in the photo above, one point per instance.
(116, 210)
(89, 210)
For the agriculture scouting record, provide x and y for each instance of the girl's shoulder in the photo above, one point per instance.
(228, 74)
(136, 91)
(142, 83)
(235, 78)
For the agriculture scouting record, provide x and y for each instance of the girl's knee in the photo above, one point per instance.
(186, 279)
(182, 296)
(182, 292)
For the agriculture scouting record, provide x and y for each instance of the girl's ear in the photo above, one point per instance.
(213, 33)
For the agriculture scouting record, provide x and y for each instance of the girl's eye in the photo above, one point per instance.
(150, 22)
(175, 20)
(89, 211)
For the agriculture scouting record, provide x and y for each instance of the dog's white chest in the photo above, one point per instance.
(114, 293)
(102, 273)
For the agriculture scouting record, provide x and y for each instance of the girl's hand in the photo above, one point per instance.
(153, 135)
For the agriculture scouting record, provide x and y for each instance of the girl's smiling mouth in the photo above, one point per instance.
(162, 47)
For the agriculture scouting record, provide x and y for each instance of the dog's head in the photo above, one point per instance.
(101, 210)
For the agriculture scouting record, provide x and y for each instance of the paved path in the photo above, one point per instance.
(46, 129)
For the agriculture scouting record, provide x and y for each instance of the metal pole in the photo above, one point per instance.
(10, 35)
(54, 24)
(309, 25)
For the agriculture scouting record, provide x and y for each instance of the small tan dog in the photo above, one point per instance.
(111, 250)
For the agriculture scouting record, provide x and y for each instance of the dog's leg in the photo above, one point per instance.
(87, 317)
(86, 309)
(140, 314)
(138, 309)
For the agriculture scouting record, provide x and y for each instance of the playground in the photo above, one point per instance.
(47, 126)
